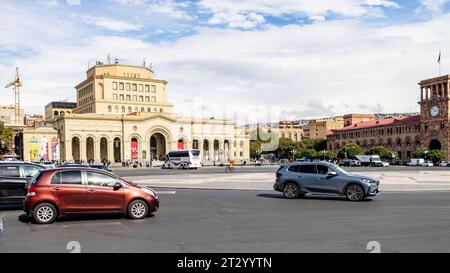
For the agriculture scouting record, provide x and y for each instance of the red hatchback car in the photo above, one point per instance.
(58, 192)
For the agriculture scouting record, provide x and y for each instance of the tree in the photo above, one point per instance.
(350, 150)
(286, 147)
(255, 148)
(327, 155)
(384, 153)
(5, 138)
(436, 156)
(307, 153)
(420, 153)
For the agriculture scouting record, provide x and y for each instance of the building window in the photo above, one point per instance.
(130, 109)
(134, 98)
(142, 109)
(141, 88)
(114, 86)
(128, 98)
(153, 88)
(120, 85)
(109, 108)
(149, 109)
(123, 109)
(160, 110)
(141, 98)
(136, 109)
(121, 97)
(147, 99)
(147, 88)
(134, 87)
(155, 110)
(116, 108)
(114, 96)
(240, 154)
(128, 87)
(153, 99)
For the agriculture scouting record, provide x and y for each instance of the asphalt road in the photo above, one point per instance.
(247, 221)
(130, 172)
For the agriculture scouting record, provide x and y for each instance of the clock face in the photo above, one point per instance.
(434, 111)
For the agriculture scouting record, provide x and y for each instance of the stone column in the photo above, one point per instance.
(67, 150)
(111, 150)
(421, 93)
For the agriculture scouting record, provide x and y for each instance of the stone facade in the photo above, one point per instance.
(112, 133)
(291, 129)
(429, 130)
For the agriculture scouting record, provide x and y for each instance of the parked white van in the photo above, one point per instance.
(183, 159)
(416, 162)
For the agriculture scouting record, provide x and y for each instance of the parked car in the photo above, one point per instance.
(63, 191)
(384, 164)
(427, 164)
(349, 163)
(14, 177)
(445, 164)
(297, 179)
(99, 167)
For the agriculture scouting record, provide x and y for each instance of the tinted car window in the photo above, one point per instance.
(195, 153)
(10, 170)
(322, 169)
(294, 168)
(69, 177)
(307, 169)
(99, 179)
(30, 170)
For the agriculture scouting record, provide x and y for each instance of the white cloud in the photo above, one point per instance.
(238, 13)
(73, 2)
(111, 24)
(432, 5)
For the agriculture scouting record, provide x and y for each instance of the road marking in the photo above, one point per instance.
(166, 192)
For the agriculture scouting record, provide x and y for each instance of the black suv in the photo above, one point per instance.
(14, 178)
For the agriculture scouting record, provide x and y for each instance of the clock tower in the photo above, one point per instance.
(435, 113)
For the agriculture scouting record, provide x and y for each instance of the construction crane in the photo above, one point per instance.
(16, 84)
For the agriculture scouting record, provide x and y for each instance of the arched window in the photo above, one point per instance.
(142, 109)
(160, 110)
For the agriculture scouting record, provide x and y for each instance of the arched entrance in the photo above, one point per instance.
(157, 146)
(90, 149)
(76, 149)
(435, 145)
(206, 150)
(104, 149)
(117, 150)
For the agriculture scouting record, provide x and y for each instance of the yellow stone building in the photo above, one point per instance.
(123, 114)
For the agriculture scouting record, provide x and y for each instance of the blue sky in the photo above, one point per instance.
(305, 59)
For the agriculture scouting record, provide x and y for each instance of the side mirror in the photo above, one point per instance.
(117, 186)
(332, 173)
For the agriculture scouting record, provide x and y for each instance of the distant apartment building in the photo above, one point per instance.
(55, 109)
(318, 128)
(291, 129)
(34, 121)
(350, 119)
(8, 115)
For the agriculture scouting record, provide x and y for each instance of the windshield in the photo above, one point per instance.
(195, 153)
(339, 169)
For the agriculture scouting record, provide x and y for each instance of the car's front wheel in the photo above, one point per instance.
(45, 213)
(291, 190)
(137, 209)
(354, 192)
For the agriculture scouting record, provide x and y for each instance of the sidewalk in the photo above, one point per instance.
(389, 181)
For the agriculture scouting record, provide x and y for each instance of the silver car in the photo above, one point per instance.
(297, 179)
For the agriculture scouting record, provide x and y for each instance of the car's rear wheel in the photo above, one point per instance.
(45, 213)
(291, 190)
(354, 193)
(137, 209)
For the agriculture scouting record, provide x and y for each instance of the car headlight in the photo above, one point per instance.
(150, 192)
(365, 180)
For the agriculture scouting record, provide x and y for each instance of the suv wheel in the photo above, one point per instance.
(354, 192)
(45, 213)
(137, 209)
(291, 191)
